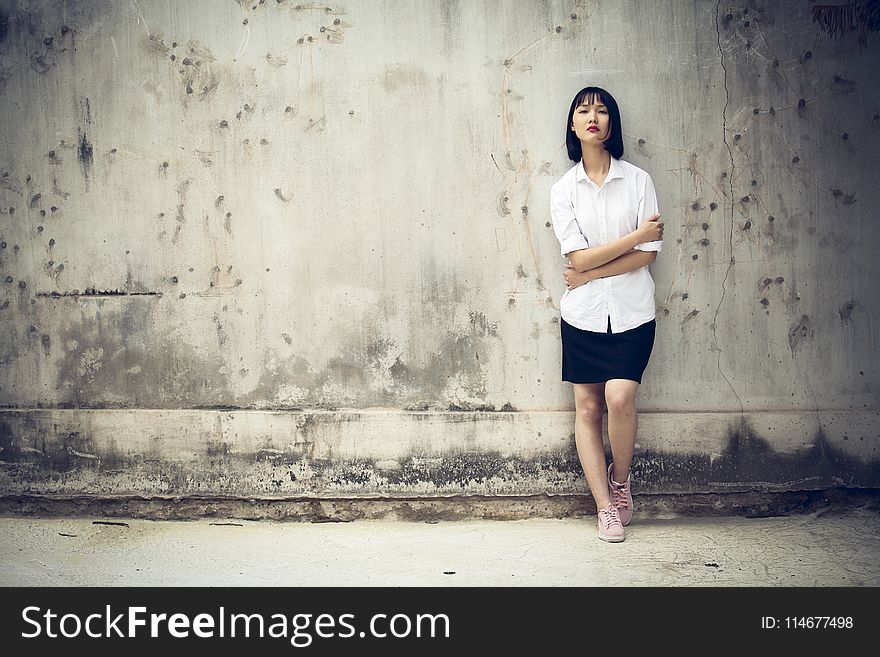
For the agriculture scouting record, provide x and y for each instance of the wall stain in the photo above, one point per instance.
(318, 126)
(221, 334)
(748, 462)
(846, 311)
(9, 183)
(155, 44)
(205, 157)
(842, 85)
(196, 73)
(842, 243)
(117, 359)
(482, 323)
(503, 198)
(96, 293)
(799, 332)
(641, 147)
(193, 65)
(333, 33)
(84, 154)
(58, 191)
(693, 313)
(848, 199)
(5, 76)
(217, 447)
(379, 374)
(63, 451)
(403, 78)
(84, 151)
(180, 217)
(53, 271)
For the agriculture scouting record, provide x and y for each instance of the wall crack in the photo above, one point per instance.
(732, 210)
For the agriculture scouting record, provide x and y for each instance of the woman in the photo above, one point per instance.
(604, 213)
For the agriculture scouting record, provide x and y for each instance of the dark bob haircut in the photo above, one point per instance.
(614, 143)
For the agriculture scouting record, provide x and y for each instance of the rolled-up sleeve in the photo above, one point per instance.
(648, 208)
(565, 223)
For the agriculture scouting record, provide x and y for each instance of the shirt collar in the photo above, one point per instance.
(614, 171)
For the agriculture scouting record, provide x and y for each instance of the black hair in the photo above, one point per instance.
(614, 143)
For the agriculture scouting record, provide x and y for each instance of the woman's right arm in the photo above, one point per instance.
(585, 259)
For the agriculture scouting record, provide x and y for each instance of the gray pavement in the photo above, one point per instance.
(820, 549)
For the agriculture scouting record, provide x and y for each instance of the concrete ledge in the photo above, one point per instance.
(400, 454)
(752, 504)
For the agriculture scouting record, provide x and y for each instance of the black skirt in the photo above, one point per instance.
(591, 357)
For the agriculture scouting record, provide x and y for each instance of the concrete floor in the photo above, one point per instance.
(801, 550)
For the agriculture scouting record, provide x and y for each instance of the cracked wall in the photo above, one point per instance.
(281, 206)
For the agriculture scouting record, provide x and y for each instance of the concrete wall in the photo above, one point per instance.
(275, 248)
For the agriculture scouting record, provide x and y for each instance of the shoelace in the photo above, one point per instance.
(610, 516)
(619, 492)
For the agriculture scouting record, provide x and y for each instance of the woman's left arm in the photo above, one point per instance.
(624, 264)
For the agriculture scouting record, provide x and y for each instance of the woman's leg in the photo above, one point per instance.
(589, 401)
(623, 422)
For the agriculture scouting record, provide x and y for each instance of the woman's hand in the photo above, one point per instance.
(651, 230)
(574, 278)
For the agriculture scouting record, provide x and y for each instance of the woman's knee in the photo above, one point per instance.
(620, 401)
(590, 409)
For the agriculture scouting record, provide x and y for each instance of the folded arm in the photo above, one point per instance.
(587, 259)
(624, 264)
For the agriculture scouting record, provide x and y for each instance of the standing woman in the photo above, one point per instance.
(604, 213)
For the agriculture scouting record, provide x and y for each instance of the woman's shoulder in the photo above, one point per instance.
(631, 170)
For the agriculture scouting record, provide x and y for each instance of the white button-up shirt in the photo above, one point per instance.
(586, 215)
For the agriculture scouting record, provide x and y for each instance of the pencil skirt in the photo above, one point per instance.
(592, 357)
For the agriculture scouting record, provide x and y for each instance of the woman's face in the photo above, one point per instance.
(591, 122)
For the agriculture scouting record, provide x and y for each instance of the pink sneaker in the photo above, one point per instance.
(621, 496)
(610, 529)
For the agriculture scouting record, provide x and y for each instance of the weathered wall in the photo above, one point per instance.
(269, 248)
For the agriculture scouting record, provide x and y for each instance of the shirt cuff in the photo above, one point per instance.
(575, 243)
(650, 246)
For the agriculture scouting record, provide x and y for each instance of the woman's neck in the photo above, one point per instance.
(597, 161)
